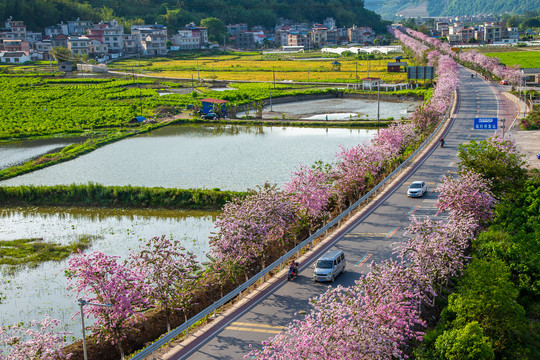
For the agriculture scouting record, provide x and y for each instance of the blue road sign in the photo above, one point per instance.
(485, 123)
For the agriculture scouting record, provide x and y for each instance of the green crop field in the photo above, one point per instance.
(43, 106)
(525, 59)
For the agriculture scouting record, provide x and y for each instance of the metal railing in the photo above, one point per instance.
(283, 259)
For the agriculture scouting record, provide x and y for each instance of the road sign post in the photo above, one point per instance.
(485, 123)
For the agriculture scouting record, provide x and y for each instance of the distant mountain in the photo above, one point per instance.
(38, 14)
(388, 9)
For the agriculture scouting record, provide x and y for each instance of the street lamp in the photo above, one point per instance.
(81, 304)
(378, 103)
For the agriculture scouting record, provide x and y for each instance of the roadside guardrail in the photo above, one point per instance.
(149, 350)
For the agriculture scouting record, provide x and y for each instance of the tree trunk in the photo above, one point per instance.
(121, 349)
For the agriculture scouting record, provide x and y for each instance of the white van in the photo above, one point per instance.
(329, 266)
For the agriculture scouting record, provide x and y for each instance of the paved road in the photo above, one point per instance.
(370, 239)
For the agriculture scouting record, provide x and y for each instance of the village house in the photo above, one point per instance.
(14, 57)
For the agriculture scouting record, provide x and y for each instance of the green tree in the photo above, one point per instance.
(216, 28)
(497, 160)
(468, 343)
(62, 54)
(487, 295)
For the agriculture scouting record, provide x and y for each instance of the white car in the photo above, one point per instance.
(417, 189)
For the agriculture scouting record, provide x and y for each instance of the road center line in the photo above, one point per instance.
(238, 328)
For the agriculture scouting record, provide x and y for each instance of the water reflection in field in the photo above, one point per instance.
(225, 157)
(17, 152)
(32, 293)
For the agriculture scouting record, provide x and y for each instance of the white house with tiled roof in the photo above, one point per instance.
(14, 57)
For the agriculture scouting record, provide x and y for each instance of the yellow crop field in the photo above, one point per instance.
(257, 68)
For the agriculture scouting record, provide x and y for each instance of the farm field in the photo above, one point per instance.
(262, 68)
(525, 59)
(34, 106)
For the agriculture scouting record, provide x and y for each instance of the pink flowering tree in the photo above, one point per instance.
(470, 194)
(253, 229)
(393, 139)
(99, 278)
(354, 171)
(310, 190)
(349, 323)
(170, 274)
(40, 341)
(437, 250)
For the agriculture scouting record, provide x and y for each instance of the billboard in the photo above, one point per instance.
(420, 72)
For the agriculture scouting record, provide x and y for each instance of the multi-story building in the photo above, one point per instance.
(113, 37)
(79, 27)
(185, 40)
(360, 35)
(97, 49)
(131, 45)
(58, 29)
(235, 29)
(443, 28)
(332, 37)
(14, 45)
(154, 44)
(245, 40)
(299, 39)
(44, 46)
(59, 40)
(78, 45)
(512, 33)
(281, 37)
(493, 32)
(329, 23)
(199, 32)
(319, 37)
(17, 28)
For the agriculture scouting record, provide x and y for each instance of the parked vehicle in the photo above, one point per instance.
(504, 82)
(210, 116)
(417, 189)
(329, 266)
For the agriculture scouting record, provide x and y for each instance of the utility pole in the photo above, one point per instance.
(367, 57)
(274, 74)
(356, 70)
(198, 76)
(270, 92)
(378, 103)
(140, 97)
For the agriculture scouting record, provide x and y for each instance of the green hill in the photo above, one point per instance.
(38, 14)
(411, 8)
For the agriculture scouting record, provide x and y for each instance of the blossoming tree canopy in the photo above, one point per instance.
(101, 279)
(40, 341)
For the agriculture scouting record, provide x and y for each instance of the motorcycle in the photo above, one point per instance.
(293, 271)
(442, 142)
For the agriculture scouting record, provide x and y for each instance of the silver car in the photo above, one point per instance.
(417, 189)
